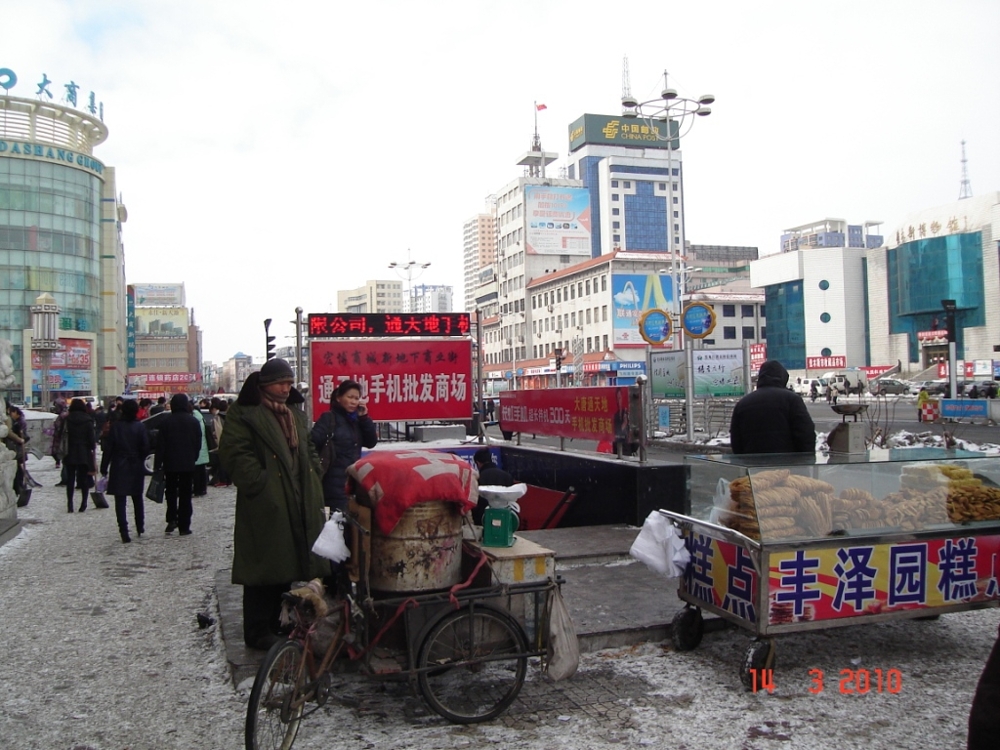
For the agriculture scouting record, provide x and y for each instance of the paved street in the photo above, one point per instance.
(101, 649)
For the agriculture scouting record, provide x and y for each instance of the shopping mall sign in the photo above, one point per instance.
(46, 152)
(615, 130)
(71, 93)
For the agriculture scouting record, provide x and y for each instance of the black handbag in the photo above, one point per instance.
(327, 455)
(157, 486)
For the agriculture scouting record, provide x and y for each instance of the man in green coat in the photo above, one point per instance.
(266, 449)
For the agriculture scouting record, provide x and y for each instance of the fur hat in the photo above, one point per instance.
(276, 371)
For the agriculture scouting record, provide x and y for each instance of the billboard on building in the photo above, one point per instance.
(632, 295)
(402, 379)
(159, 295)
(161, 322)
(615, 130)
(557, 220)
(70, 370)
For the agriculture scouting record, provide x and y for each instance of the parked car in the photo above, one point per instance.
(887, 386)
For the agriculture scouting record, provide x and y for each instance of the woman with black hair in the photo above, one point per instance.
(348, 425)
(127, 445)
(81, 442)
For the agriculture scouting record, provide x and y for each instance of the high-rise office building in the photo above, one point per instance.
(478, 251)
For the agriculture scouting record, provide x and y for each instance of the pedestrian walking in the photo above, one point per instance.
(81, 444)
(266, 449)
(17, 438)
(200, 476)
(772, 419)
(127, 446)
(349, 426)
(177, 446)
(213, 431)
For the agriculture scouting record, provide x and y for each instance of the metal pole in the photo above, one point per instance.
(298, 353)
(952, 367)
(480, 385)
(46, 364)
(746, 367)
(689, 390)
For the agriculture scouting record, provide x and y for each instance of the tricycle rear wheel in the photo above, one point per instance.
(472, 664)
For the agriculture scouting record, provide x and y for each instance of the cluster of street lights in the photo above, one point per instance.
(409, 270)
(669, 118)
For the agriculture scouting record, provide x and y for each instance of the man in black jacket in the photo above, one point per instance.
(178, 444)
(490, 475)
(772, 419)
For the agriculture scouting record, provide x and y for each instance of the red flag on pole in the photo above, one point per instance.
(540, 107)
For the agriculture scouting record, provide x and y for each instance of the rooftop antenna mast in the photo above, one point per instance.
(966, 189)
(626, 83)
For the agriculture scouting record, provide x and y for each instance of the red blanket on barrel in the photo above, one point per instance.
(396, 480)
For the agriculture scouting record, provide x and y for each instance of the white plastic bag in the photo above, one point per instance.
(720, 502)
(563, 646)
(330, 543)
(660, 548)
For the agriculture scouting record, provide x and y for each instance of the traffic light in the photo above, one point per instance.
(269, 339)
(949, 317)
(558, 355)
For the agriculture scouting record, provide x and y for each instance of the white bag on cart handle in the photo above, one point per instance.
(563, 646)
(660, 548)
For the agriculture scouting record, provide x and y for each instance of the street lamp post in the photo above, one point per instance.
(44, 338)
(409, 269)
(676, 115)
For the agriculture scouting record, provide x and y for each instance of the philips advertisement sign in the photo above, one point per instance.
(557, 220)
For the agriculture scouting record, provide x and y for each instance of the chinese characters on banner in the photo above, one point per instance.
(718, 372)
(402, 380)
(587, 413)
(758, 356)
(834, 582)
(835, 362)
(722, 574)
(362, 325)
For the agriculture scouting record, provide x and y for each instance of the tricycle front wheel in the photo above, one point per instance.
(272, 721)
(472, 664)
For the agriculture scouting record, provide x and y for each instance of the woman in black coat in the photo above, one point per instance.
(351, 427)
(127, 446)
(81, 442)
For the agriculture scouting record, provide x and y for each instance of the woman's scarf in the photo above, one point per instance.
(285, 419)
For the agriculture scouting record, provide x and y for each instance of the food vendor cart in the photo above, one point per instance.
(787, 543)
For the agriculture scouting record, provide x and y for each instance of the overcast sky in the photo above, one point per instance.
(270, 154)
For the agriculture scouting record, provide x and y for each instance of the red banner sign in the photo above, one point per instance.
(163, 378)
(758, 356)
(370, 325)
(826, 363)
(587, 413)
(927, 338)
(402, 380)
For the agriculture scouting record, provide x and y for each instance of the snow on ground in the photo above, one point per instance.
(100, 648)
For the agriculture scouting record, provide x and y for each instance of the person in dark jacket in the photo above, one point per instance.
(127, 445)
(266, 449)
(490, 475)
(772, 419)
(178, 444)
(351, 428)
(984, 719)
(81, 444)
